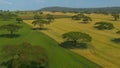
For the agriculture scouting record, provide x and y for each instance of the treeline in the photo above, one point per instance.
(86, 10)
(7, 15)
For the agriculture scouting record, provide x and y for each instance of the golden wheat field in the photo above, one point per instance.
(104, 53)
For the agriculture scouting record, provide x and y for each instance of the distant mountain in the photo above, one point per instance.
(67, 9)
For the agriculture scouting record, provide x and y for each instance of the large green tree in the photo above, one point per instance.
(11, 28)
(24, 55)
(40, 23)
(77, 37)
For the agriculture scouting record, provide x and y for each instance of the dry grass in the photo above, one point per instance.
(104, 53)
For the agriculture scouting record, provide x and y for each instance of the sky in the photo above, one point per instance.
(38, 4)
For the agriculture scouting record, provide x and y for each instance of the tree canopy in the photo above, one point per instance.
(24, 55)
(40, 23)
(76, 37)
(11, 28)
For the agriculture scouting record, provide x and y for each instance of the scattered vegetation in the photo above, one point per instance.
(73, 40)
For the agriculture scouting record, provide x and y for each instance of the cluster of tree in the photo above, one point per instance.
(7, 16)
(76, 39)
(104, 26)
(82, 17)
(24, 55)
(38, 20)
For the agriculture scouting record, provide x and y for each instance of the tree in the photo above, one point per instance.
(115, 16)
(11, 28)
(76, 37)
(37, 17)
(24, 55)
(86, 19)
(7, 16)
(104, 25)
(40, 23)
(50, 18)
(19, 20)
(78, 17)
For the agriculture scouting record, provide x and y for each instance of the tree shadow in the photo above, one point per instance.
(67, 44)
(40, 29)
(9, 35)
(116, 40)
(70, 45)
(118, 32)
(84, 22)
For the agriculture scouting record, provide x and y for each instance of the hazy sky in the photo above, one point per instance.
(37, 4)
